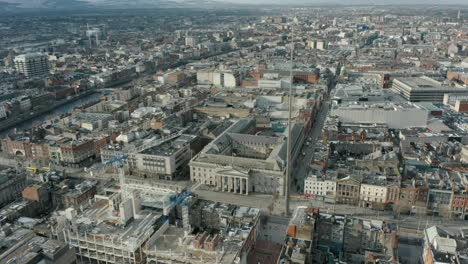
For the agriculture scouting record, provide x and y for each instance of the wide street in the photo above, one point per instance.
(409, 223)
(302, 163)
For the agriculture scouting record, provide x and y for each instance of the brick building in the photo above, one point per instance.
(77, 152)
(81, 193)
(414, 196)
(459, 205)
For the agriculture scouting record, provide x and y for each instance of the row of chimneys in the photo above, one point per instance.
(203, 240)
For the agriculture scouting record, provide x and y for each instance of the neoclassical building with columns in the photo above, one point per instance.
(241, 161)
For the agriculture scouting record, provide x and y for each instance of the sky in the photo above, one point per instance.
(353, 2)
(143, 3)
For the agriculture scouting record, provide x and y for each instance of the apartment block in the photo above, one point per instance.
(32, 65)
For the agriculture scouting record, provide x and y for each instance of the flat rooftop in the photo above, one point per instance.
(31, 56)
(81, 188)
(426, 83)
(102, 222)
(92, 117)
(387, 106)
(27, 246)
(236, 224)
(161, 150)
(159, 146)
(418, 82)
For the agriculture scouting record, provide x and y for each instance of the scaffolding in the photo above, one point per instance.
(100, 234)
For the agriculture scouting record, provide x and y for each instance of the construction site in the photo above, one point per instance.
(114, 228)
(128, 222)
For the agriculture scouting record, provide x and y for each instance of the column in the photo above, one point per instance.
(241, 186)
(222, 183)
(229, 180)
(233, 184)
(247, 186)
(236, 184)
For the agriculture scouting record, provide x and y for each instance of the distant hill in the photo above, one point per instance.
(18, 5)
(43, 4)
(38, 5)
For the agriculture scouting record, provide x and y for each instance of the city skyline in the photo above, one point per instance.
(18, 5)
(208, 132)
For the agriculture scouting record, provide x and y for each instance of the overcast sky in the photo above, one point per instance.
(351, 2)
(153, 3)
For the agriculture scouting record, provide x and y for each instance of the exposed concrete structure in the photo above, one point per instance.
(418, 89)
(395, 116)
(116, 226)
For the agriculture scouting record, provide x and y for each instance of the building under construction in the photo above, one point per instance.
(144, 223)
(119, 222)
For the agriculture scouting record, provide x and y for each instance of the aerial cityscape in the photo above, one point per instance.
(216, 132)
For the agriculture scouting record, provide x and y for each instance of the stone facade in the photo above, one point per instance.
(348, 191)
(11, 186)
(240, 162)
(373, 196)
(316, 186)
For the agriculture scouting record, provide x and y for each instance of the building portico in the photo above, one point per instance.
(234, 180)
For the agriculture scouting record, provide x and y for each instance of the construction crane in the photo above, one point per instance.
(174, 199)
(181, 199)
(118, 160)
(114, 159)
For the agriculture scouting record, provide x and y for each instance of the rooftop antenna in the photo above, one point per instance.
(288, 154)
